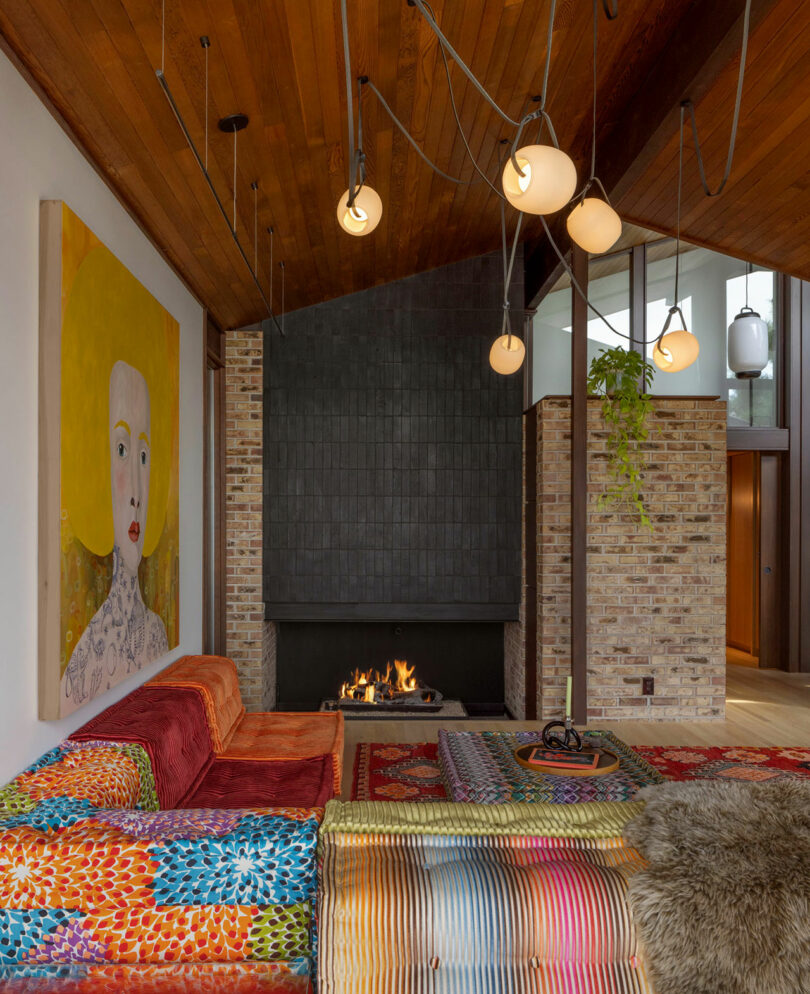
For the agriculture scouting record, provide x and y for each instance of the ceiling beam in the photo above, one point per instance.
(703, 43)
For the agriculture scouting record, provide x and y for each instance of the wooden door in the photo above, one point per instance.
(742, 592)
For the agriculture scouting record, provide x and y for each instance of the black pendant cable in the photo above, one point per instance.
(232, 123)
(675, 308)
(610, 9)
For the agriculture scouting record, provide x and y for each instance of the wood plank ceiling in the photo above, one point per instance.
(280, 62)
(763, 214)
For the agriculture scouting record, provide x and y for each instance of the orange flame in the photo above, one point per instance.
(371, 686)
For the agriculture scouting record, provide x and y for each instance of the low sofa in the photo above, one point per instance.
(171, 842)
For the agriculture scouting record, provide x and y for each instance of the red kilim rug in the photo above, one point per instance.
(750, 763)
(402, 771)
(409, 771)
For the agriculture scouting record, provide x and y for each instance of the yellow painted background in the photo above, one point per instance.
(107, 315)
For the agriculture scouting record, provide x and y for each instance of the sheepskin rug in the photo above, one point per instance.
(724, 907)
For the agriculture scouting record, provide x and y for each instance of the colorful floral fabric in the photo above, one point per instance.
(75, 778)
(225, 933)
(290, 977)
(182, 823)
(281, 933)
(106, 777)
(83, 865)
(265, 860)
(127, 886)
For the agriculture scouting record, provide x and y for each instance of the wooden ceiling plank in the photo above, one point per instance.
(119, 53)
(95, 134)
(714, 118)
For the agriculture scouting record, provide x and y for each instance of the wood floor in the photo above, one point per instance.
(763, 707)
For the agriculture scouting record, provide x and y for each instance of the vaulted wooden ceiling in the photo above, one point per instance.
(280, 62)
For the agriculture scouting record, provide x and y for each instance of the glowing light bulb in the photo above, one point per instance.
(594, 225)
(364, 214)
(506, 355)
(676, 351)
(548, 181)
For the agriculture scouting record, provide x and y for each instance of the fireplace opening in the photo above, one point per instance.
(397, 689)
(458, 663)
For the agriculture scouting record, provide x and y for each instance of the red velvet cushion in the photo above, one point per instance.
(247, 783)
(170, 723)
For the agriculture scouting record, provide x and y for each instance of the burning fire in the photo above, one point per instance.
(373, 686)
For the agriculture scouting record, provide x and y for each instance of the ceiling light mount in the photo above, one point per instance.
(233, 123)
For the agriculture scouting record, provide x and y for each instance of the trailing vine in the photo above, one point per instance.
(616, 375)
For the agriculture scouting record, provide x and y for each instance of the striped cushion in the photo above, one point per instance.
(478, 912)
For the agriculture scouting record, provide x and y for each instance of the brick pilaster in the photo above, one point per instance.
(656, 601)
(250, 640)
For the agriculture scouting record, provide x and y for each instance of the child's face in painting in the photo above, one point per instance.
(129, 460)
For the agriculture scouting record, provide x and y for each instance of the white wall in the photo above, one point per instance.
(39, 162)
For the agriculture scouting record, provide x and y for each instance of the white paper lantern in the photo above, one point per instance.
(747, 345)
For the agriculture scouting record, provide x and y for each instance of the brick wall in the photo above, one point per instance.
(249, 640)
(656, 601)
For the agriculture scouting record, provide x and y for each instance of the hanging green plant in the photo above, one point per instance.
(616, 375)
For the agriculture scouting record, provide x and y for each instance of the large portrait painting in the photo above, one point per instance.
(109, 487)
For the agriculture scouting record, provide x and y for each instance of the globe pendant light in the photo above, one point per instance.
(507, 354)
(546, 181)
(364, 214)
(676, 350)
(594, 225)
(747, 341)
(359, 209)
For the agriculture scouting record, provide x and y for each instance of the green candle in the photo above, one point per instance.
(568, 697)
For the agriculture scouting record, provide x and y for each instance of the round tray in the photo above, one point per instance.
(608, 763)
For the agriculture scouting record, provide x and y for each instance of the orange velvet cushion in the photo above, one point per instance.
(216, 680)
(290, 735)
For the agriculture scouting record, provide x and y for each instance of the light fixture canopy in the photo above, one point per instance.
(548, 182)
(594, 225)
(747, 344)
(364, 214)
(507, 354)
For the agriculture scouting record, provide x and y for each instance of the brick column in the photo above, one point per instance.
(250, 640)
(656, 600)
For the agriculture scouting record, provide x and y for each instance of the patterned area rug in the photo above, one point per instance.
(411, 771)
(406, 771)
(746, 763)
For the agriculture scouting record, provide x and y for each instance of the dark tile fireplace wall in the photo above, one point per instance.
(392, 457)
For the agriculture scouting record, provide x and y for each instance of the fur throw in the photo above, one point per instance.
(724, 907)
